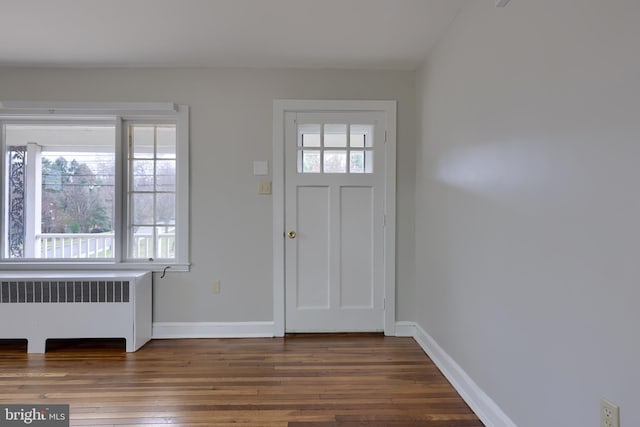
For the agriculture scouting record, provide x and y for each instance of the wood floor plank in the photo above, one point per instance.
(297, 381)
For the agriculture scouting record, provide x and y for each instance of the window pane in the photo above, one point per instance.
(72, 188)
(309, 135)
(166, 242)
(143, 176)
(142, 208)
(361, 161)
(153, 191)
(356, 162)
(361, 136)
(310, 160)
(166, 175)
(166, 142)
(335, 135)
(335, 161)
(142, 243)
(143, 141)
(166, 208)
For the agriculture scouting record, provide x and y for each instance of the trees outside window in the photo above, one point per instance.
(76, 198)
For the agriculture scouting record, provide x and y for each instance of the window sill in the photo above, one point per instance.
(88, 266)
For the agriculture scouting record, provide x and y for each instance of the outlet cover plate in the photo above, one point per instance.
(609, 414)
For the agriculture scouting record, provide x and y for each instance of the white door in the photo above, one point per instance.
(334, 173)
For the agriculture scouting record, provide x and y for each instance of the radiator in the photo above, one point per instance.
(37, 306)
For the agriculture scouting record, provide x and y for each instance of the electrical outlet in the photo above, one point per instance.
(215, 287)
(609, 414)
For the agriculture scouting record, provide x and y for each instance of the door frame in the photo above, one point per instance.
(282, 106)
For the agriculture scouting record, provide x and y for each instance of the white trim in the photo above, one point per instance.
(390, 221)
(483, 406)
(405, 329)
(183, 186)
(89, 265)
(120, 189)
(277, 191)
(171, 330)
(280, 106)
(40, 107)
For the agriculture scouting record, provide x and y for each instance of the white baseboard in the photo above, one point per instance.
(406, 329)
(483, 406)
(162, 330)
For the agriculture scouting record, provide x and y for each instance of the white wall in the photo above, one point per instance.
(528, 205)
(231, 126)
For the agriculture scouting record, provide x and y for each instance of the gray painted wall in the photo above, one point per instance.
(528, 243)
(231, 126)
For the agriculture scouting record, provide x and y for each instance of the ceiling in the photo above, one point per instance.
(383, 34)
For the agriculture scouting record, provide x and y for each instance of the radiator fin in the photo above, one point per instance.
(64, 291)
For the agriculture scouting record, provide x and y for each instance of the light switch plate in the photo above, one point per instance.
(260, 167)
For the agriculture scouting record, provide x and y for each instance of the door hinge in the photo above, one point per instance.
(384, 220)
(385, 136)
(384, 303)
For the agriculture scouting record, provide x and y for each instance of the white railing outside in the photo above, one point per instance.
(101, 245)
(76, 245)
(143, 245)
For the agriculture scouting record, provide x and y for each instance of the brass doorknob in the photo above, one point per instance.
(291, 234)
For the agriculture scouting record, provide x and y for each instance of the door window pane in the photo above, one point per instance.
(361, 136)
(361, 161)
(309, 135)
(335, 161)
(335, 135)
(356, 162)
(309, 161)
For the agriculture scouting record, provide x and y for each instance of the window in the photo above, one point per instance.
(152, 191)
(60, 197)
(335, 148)
(106, 185)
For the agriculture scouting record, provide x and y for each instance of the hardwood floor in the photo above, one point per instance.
(297, 381)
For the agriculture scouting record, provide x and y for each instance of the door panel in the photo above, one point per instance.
(356, 247)
(312, 248)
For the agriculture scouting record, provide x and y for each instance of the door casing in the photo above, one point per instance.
(280, 107)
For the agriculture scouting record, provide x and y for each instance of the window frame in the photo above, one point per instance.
(120, 115)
